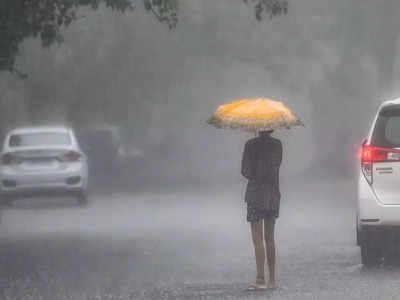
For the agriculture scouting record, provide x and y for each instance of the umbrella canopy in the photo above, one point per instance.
(254, 115)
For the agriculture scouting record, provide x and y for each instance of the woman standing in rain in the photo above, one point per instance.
(261, 161)
(262, 158)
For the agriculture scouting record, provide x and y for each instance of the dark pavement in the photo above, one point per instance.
(185, 245)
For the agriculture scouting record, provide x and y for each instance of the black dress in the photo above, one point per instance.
(261, 161)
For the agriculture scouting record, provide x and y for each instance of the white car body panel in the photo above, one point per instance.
(369, 208)
(386, 184)
(40, 170)
(379, 203)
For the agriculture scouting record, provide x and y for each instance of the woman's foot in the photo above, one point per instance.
(258, 286)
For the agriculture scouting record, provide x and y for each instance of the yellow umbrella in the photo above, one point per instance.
(254, 115)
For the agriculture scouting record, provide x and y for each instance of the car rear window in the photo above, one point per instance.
(387, 129)
(39, 139)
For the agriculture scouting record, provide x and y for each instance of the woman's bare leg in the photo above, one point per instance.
(258, 241)
(269, 232)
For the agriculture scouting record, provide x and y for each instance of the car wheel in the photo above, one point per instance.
(82, 199)
(358, 233)
(370, 256)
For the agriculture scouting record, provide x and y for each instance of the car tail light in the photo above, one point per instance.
(70, 156)
(10, 159)
(378, 154)
(372, 154)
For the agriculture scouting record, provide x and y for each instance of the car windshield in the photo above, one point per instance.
(39, 139)
(387, 129)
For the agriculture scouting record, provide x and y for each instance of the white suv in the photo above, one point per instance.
(39, 160)
(378, 210)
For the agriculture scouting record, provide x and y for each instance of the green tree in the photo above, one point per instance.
(21, 19)
(268, 8)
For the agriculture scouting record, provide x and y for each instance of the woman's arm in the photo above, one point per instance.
(279, 152)
(247, 162)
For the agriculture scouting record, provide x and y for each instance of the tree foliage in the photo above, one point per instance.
(20, 19)
(268, 8)
(166, 11)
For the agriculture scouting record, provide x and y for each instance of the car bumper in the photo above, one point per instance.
(373, 213)
(70, 181)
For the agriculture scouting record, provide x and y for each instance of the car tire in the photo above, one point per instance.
(358, 233)
(82, 199)
(370, 256)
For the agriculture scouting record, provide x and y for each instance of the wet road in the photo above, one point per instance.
(184, 245)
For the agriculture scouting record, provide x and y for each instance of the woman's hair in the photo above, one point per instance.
(265, 132)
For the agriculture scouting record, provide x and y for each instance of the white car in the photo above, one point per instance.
(40, 160)
(378, 209)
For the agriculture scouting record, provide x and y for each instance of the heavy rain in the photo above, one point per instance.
(161, 214)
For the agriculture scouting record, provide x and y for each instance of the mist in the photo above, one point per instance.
(161, 85)
(331, 62)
